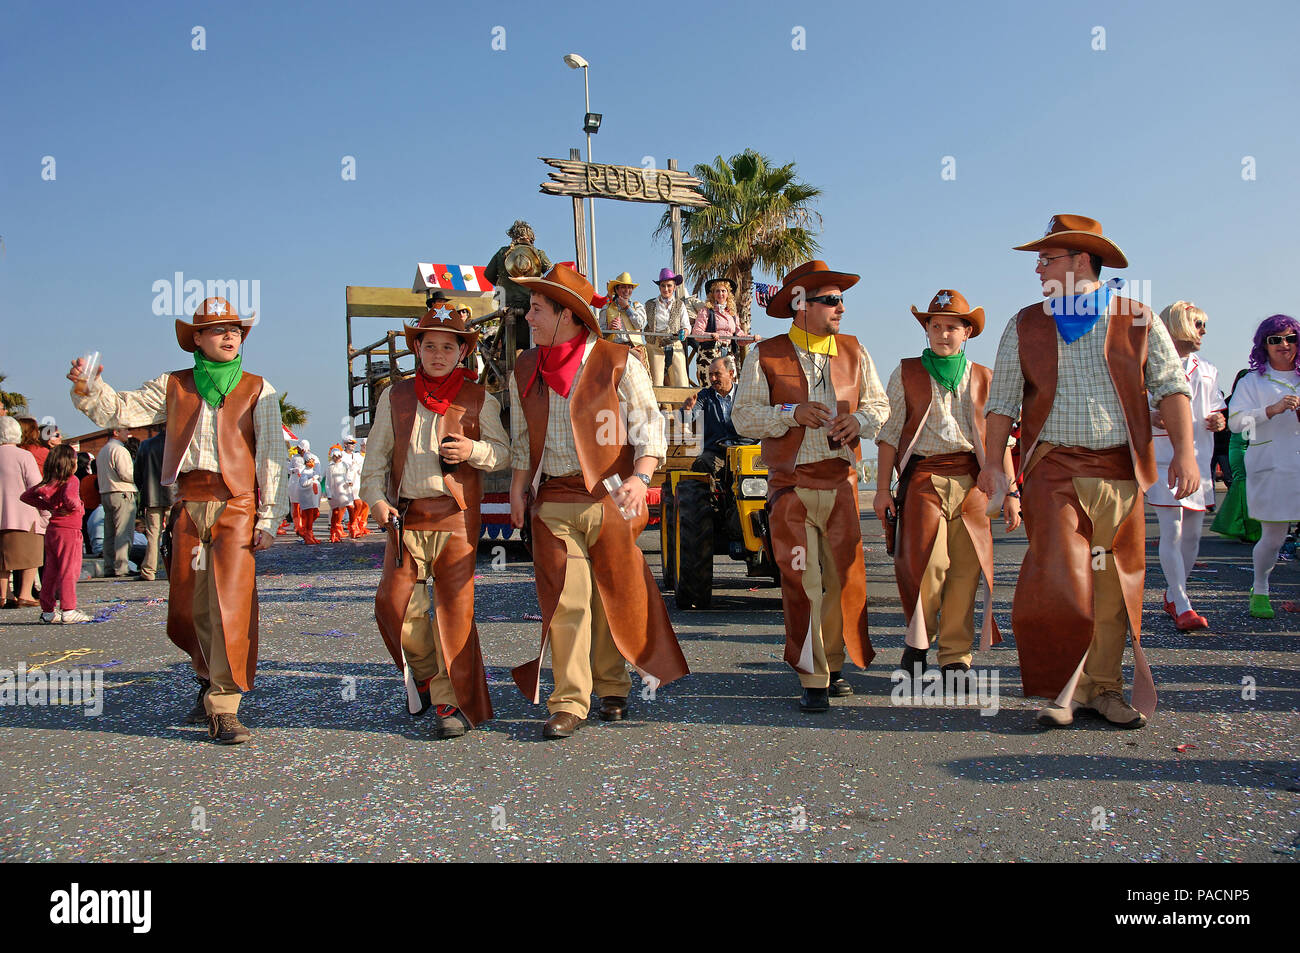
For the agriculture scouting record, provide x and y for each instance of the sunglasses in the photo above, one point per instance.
(833, 300)
(1044, 261)
(1273, 340)
(1199, 325)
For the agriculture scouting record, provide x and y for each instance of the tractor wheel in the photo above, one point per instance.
(668, 537)
(694, 508)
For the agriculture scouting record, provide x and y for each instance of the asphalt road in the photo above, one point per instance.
(718, 766)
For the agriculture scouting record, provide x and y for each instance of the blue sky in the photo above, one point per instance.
(226, 163)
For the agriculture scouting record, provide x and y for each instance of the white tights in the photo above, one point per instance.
(1180, 540)
(1271, 538)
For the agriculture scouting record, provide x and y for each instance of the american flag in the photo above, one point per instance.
(763, 293)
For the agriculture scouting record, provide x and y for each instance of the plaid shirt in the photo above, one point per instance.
(1086, 411)
(948, 428)
(422, 473)
(636, 398)
(148, 405)
(755, 416)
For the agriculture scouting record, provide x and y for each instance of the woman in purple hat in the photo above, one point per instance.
(669, 316)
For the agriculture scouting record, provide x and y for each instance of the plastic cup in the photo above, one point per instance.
(612, 483)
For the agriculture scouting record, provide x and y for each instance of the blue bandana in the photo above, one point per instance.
(1076, 316)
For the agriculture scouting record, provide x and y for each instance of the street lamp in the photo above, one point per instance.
(590, 124)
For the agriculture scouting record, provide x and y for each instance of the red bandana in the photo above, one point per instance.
(559, 364)
(437, 393)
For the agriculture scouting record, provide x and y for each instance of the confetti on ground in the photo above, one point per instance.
(1181, 748)
(498, 618)
(103, 615)
(65, 656)
(155, 602)
(529, 617)
(331, 634)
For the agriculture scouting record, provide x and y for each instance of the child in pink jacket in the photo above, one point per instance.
(59, 494)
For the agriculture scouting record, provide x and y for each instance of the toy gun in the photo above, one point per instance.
(395, 524)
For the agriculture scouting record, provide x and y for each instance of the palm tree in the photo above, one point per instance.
(11, 399)
(291, 415)
(759, 215)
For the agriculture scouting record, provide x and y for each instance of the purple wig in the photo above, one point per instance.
(1273, 324)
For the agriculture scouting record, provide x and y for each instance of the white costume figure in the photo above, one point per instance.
(309, 482)
(1182, 521)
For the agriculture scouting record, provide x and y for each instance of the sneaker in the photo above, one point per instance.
(227, 730)
(1111, 706)
(1260, 607)
(1190, 621)
(74, 617)
(451, 723)
(1054, 716)
(51, 618)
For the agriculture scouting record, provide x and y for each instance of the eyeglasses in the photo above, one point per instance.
(222, 330)
(1044, 261)
(833, 301)
(1273, 340)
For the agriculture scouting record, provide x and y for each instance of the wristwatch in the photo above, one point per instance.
(643, 478)
(1014, 494)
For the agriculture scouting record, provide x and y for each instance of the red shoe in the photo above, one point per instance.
(1190, 621)
(1173, 613)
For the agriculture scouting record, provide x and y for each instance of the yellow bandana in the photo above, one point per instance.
(812, 343)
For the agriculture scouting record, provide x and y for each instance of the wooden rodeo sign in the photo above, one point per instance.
(590, 179)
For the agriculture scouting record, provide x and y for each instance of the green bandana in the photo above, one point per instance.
(947, 371)
(216, 379)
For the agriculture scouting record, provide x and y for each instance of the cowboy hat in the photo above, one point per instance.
(436, 320)
(809, 276)
(952, 304)
(213, 312)
(667, 274)
(1078, 233)
(568, 289)
(623, 279)
(708, 285)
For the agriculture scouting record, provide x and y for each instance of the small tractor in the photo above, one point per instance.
(701, 517)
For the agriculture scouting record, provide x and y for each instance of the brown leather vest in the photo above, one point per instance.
(465, 485)
(918, 393)
(787, 384)
(236, 436)
(599, 433)
(1126, 357)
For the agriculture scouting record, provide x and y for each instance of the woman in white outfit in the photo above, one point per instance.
(1266, 410)
(1181, 520)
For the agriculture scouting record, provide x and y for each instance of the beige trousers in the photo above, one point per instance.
(821, 583)
(1107, 503)
(420, 639)
(583, 655)
(676, 369)
(224, 695)
(154, 518)
(951, 578)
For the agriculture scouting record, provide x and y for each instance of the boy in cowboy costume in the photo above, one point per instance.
(934, 440)
(224, 452)
(584, 425)
(811, 396)
(1077, 369)
(433, 437)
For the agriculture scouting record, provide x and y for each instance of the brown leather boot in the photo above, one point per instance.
(561, 725)
(199, 714)
(227, 730)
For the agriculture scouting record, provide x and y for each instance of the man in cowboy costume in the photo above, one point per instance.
(497, 271)
(1077, 369)
(433, 437)
(934, 440)
(224, 452)
(586, 435)
(669, 318)
(811, 396)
